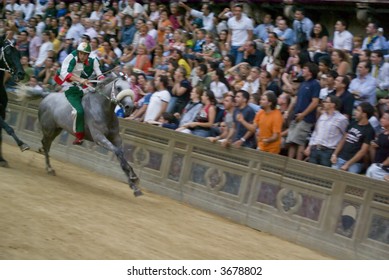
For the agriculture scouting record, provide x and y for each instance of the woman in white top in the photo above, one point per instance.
(318, 42)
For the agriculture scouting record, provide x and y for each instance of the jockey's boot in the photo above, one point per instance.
(79, 138)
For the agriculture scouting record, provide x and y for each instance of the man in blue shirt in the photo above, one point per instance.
(364, 86)
(305, 111)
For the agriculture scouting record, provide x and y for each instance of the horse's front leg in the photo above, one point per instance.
(116, 148)
(23, 146)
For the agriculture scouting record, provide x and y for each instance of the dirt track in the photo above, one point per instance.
(82, 215)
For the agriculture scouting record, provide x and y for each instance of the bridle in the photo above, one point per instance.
(3, 58)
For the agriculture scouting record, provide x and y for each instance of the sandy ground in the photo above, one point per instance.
(81, 215)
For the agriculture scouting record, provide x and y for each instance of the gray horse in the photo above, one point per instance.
(101, 123)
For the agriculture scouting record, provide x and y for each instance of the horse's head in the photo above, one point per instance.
(10, 60)
(125, 95)
(118, 89)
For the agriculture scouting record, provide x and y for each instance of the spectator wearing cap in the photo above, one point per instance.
(206, 15)
(240, 30)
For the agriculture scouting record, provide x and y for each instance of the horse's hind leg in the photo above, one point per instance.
(46, 144)
(133, 179)
(23, 146)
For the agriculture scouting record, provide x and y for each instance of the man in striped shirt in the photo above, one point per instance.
(330, 129)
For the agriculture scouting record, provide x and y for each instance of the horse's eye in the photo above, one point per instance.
(119, 89)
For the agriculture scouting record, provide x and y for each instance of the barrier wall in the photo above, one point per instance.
(340, 214)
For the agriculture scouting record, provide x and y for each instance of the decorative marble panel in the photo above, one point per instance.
(175, 167)
(155, 160)
(233, 182)
(347, 219)
(355, 191)
(129, 152)
(379, 229)
(310, 207)
(30, 123)
(197, 173)
(268, 194)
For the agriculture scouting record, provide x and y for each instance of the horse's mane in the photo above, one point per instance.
(106, 81)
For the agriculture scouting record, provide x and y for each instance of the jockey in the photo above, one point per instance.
(74, 73)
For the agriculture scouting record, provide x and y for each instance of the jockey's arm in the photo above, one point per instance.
(97, 70)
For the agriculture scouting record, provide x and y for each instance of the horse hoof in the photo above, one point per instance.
(41, 151)
(4, 163)
(24, 147)
(138, 193)
(51, 172)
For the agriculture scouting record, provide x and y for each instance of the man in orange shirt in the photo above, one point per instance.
(268, 120)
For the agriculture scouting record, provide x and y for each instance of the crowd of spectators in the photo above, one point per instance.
(280, 85)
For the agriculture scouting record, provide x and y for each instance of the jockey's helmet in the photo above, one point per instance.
(84, 47)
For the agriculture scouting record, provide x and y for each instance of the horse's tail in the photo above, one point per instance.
(24, 92)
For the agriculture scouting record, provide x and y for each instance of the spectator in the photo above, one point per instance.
(340, 62)
(302, 27)
(128, 31)
(27, 8)
(261, 31)
(191, 109)
(175, 17)
(44, 50)
(97, 12)
(206, 15)
(225, 130)
(204, 120)
(240, 30)
(180, 91)
(159, 100)
(343, 39)
(268, 121)
(268, 84)
(318, 43)
(138, 114)
(204, 79)
(284, 33)
(372, 42)
(330, 84)
(142, 60)
(12, 6)
(380, 151)
(252, 83)
(380, 71)
(329, 130)
(153, 15)
(242, 136)
(347, 99)
(252, 55)
(276, 53)
(133, 9)
(305, 112)
(364, 86)
(354, 146)
(76, 29)
(22, 44)
(163, 23)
